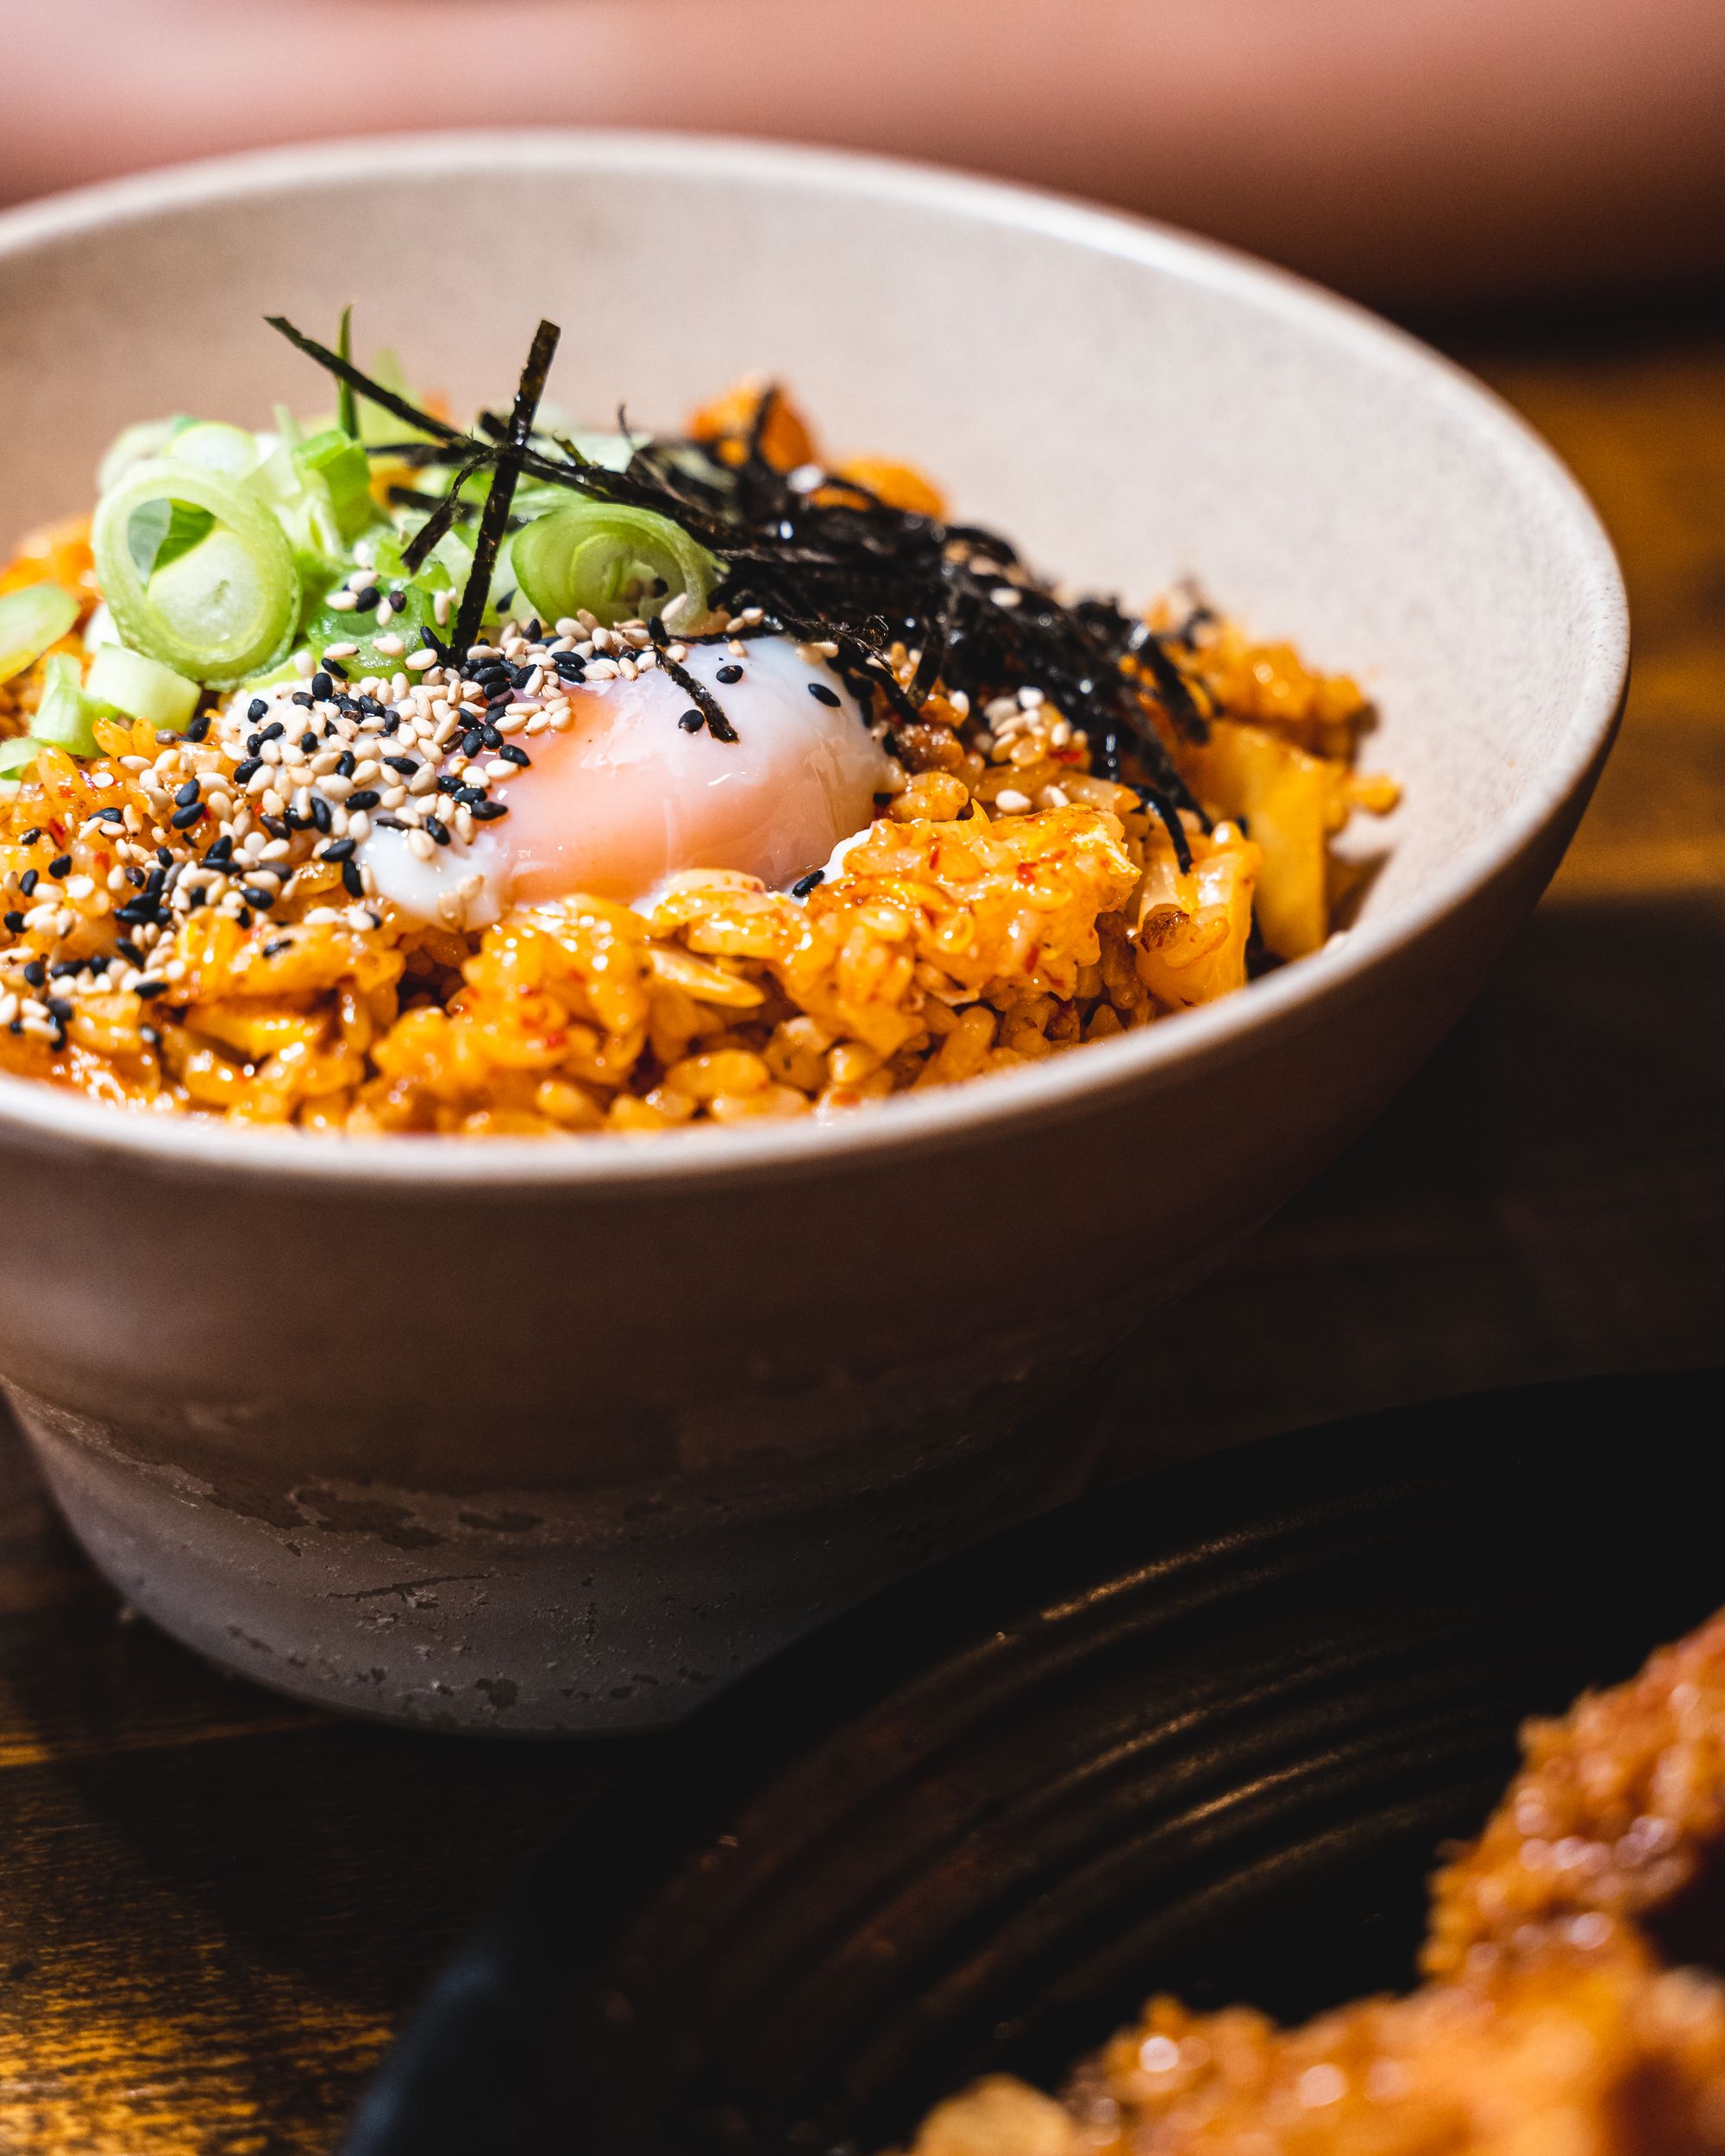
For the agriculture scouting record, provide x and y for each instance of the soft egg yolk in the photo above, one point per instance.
(625, 796)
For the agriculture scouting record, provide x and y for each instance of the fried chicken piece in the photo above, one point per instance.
(1620, 1808)
(1570, 2046)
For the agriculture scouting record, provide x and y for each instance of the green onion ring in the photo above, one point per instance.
(220, 612)
(606, 559)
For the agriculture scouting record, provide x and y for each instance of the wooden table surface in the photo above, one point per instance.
(213, 1904)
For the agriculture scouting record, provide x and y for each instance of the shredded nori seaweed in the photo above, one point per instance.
(834, 564)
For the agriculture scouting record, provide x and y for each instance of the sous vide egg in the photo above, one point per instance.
(625, 796)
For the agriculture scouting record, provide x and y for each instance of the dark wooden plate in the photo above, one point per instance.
(1203, 1732)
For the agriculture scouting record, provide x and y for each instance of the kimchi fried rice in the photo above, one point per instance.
(313, 808)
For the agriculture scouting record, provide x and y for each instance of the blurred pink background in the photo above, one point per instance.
(1417, 151)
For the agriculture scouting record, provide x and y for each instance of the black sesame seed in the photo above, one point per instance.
(488, 812)
(321, 685)
(437, 832)
(164, 859)
(533, 630)
(14, 924)
(473, 742)
(148, 988)
(29, 881)
(364, 601)
(36, 972)
(221, 852)
(62, 966)
(61, 865)
(257, 709)
(392, 723)
(352, 881)
(491, 737)
(396, 602)
(31, 836)
(470, 796)
(253, 743)
(335, 666)
(255, 894)
(340, 850)
(248, 769)
(321, 814)
(183, 820)
(346, 764)
(448, 782)
(570, 664)
(273, 731)
(108, 816)
(187, 795)
(200, 727)
(366, 798)
(300, 697)
(822, 694)
(692, 722)
(199, 897)
(804, 885)
(728, 675)
(59, 1007)
(308, 741)
(510, 754)
(404, 765)
(129, 951)
(281, 943)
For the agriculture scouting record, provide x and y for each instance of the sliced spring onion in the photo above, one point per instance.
(226, 608)
(65, 715)
(136, 445)
(213, 446)
(341, 465)
(162, 530)
(126, 681)
(17, 754)
(613, 560)
(30, 621)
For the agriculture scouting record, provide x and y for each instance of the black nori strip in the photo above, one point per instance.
(345, 370)
(495, 514)
(415, 554)
(1160, 806)
(697, 692)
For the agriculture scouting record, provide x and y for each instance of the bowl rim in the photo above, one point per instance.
(1063, 1085)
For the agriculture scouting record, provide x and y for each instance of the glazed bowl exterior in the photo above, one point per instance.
(532, 1437)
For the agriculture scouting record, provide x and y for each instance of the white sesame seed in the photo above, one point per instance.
(500, 767)
(1005, 595)
(340, 651)
(1011, 802)
(340, 601)
(420, 659)
(360, 824)
(420, 845)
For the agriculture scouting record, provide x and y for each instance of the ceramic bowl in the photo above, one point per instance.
(541, 1437)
